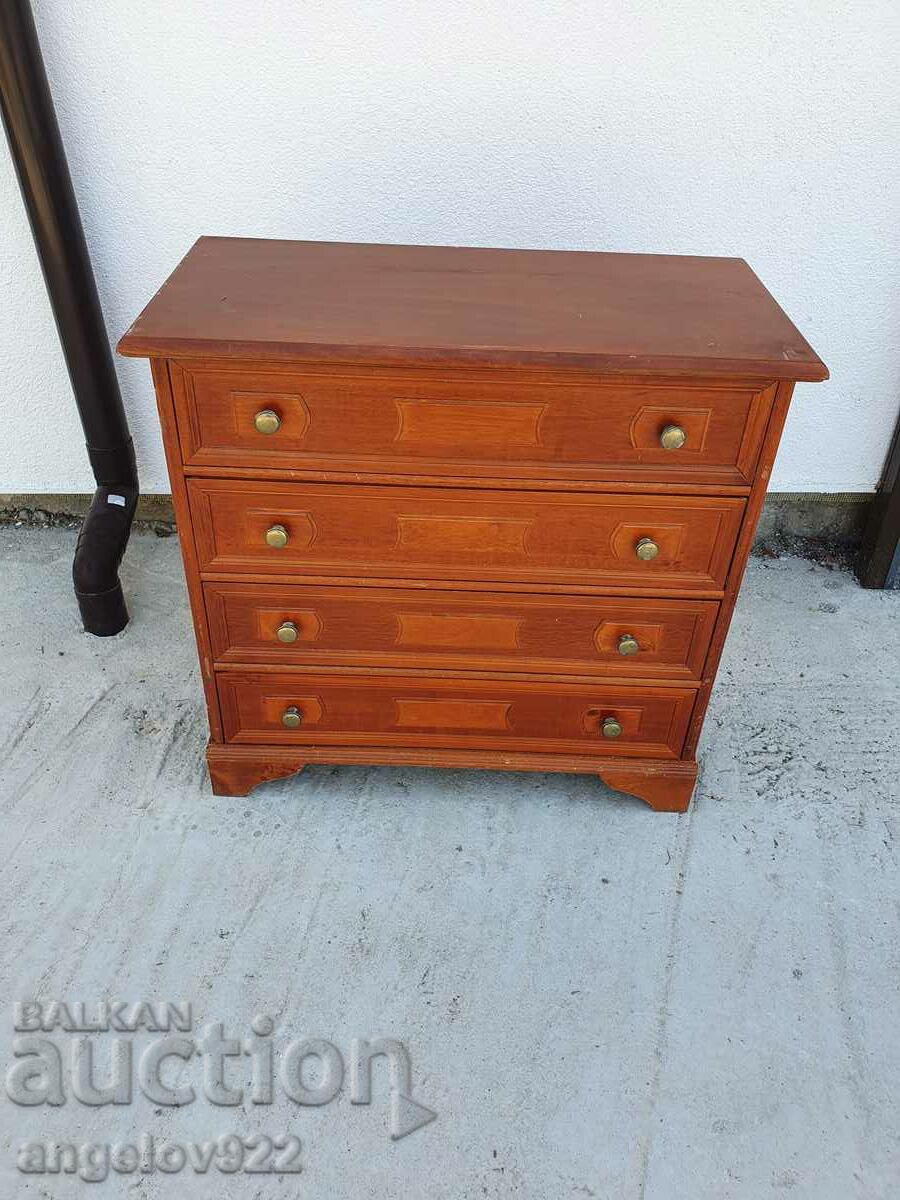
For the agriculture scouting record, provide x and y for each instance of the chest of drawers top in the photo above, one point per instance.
(645, 314)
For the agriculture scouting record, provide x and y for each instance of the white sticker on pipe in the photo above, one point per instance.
(113, 499)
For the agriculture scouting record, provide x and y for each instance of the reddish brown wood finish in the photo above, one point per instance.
(388, 627)
(423, 423)
(478, 714)
(468, 453)
(186, 539)
(612, 313)
(739, 561)
(665, 786)
(456, 534)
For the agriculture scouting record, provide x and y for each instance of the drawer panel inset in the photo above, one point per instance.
(650, 543)
(299, 707)
(418, 423)
(389, 627)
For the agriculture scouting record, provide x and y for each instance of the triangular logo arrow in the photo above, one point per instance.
(407, 1115)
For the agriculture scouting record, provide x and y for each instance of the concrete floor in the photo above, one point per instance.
(599, 1001)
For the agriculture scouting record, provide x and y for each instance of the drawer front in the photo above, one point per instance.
(354, 710)
(448, 534)
(387, 627)
(397, 423)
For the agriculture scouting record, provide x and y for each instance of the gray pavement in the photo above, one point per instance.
(598, 1001)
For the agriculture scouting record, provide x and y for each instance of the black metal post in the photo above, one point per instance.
(40, 163)
(878, 561)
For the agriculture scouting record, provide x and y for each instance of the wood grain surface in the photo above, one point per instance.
(466, 423)
(389, 627)
(602, 312)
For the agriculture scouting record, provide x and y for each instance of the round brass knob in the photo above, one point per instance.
(646, 549)
(628, 644)
(287, 631)
(277, 537)
(291, 717)
(672, 437)
(610, 727)
(267, 420)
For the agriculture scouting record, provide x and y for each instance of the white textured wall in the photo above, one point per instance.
(768, 129)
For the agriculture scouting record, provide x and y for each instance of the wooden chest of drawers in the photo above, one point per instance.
(457, 507)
